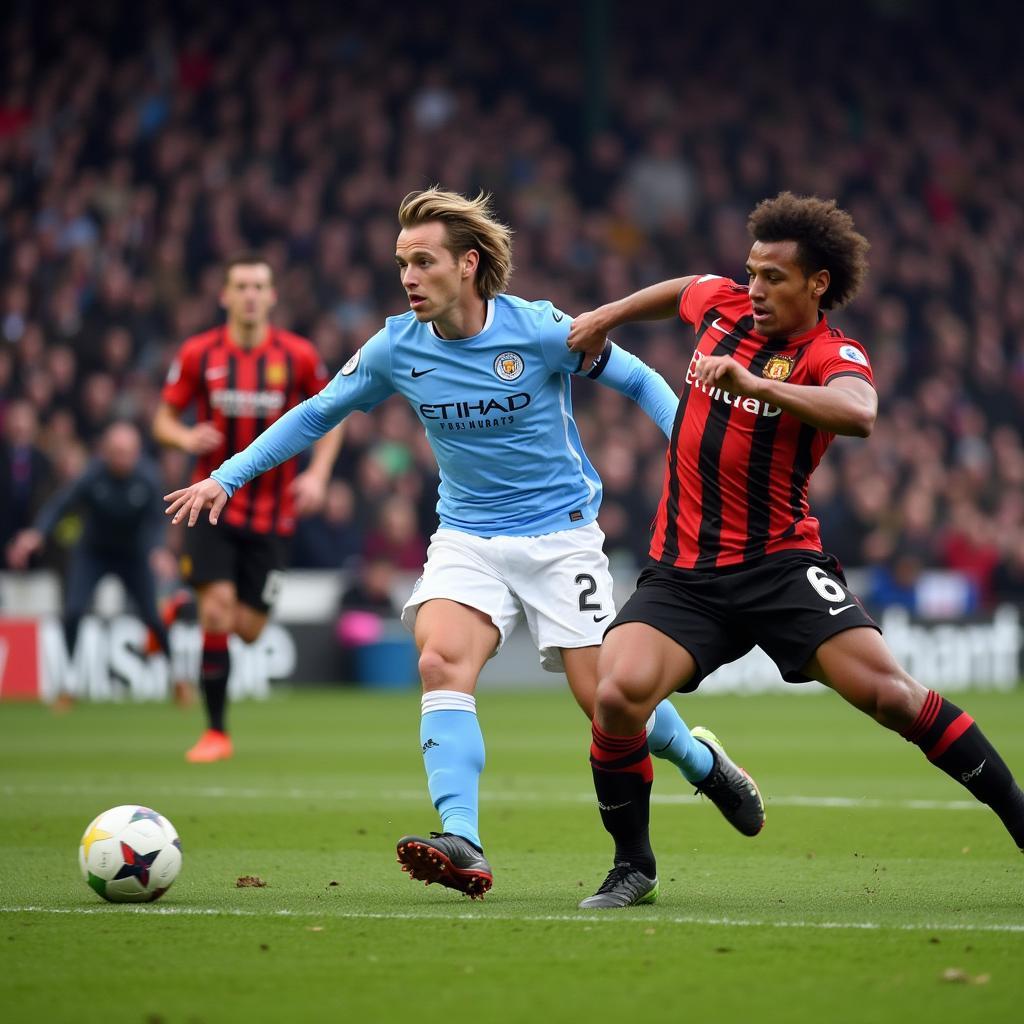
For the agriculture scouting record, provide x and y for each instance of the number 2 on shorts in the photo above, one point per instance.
(587, 592)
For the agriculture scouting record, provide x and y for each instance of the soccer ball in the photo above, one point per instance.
(130, 854)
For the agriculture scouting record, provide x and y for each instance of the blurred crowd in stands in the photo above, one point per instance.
(141, 145)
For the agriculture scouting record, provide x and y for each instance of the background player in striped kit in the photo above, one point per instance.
(488, 376)
(241, 377)
(736, 557)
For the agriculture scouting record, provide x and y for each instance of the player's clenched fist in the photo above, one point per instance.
(190, 501)
(725, 373)
(588, 334)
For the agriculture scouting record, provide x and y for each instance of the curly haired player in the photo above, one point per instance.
(736, 556)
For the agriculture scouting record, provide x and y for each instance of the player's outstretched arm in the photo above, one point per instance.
(288, 436)
(623, 371)
(189, 502)
(589, 331)
(295, 431)
(362, 383)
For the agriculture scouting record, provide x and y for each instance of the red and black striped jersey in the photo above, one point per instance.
(241, 392)
(737, 468)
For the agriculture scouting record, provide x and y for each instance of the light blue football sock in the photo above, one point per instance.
(669, 738)
(453, 755)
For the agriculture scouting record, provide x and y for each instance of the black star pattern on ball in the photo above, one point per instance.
(136, 865)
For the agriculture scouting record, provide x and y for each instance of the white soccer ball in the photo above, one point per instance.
(130, 854)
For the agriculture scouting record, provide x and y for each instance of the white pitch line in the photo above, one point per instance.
(491, 796)
(484, 916)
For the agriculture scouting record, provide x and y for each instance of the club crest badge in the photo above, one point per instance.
(276, 375)
(778, 367)
(350, 367)
(509, 365)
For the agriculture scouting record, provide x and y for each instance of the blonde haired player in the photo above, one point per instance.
(488, 375)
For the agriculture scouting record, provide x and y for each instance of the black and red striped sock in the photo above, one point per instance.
(623, 774)
(213, 678)
(953, 742)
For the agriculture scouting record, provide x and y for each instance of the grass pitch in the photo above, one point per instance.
(877, 892)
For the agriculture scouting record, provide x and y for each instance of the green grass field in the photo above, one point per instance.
(877, 892)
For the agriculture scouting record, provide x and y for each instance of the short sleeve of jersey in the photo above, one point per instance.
(182, 383)
(701, 295)
(830, 358)
(362, 383)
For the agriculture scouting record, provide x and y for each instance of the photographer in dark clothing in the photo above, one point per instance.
(119, 497)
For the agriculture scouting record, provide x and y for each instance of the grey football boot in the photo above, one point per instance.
(624, 887)
(729, 787)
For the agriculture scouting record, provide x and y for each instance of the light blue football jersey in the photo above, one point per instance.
(496, 408)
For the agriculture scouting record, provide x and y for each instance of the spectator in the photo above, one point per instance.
(120, 501)
(330, 540)
(366, 609)
(661, 187)
(26, 476)
(969, 547)
(396, 539)
(124, 179)
(1008, 577)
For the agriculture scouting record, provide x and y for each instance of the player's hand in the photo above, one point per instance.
(725, 373)
(589, 335)
(202, 439)
(23, 547)
(190, 501)
(310, 492)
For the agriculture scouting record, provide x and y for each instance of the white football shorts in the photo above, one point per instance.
(559, 583)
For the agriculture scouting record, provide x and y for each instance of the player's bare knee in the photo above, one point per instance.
(898, 700)
(217, 608)
(616, 703)
(437, 671)
(217, 616)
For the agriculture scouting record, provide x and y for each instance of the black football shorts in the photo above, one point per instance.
(787, 604)
(252, 561)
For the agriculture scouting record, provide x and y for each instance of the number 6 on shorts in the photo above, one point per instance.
(825, 586)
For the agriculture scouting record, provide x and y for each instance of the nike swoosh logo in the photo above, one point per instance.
(612, 807)
(216, 373)
(420, 373)
(836, 611)
(558, 317)
(601, 618)
(716, 325)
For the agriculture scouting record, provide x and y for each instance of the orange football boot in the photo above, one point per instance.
(212, 746)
